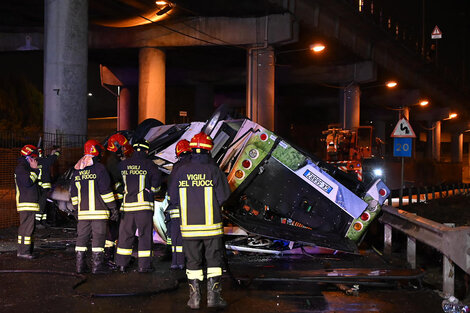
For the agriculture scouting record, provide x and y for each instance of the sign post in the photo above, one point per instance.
(402, 136)
(436, 34)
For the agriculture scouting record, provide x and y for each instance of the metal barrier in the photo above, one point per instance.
(452, 242)
(424, 194)
(10, 145)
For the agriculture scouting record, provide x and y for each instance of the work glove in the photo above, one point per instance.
(114, 215)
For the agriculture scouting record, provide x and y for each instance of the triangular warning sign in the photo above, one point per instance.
(403, 129)
(436, 33)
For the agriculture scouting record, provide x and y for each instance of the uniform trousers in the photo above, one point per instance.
(196, 250)
(142, 221)
(96, 229)
(25, 232)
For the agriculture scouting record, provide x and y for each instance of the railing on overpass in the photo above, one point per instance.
(423, 194)
(452, 242)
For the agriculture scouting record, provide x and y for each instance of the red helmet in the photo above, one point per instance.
(119, 144)
(30, 150)
(93, 147)
(182, 146)
(201, 141)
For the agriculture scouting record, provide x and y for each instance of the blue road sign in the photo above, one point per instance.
(402, 147)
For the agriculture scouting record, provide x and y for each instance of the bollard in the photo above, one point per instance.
(387, 240)
(448, 272)
(440, 191)
(410, 196)
(418, 195)
(426, 196)
(411, 251)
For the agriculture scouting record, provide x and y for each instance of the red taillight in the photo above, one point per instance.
(246, 164)
(382, 192)
(365, 216)
(263, 137)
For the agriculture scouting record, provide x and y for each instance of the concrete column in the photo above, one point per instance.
(65, 66)
(436, 141)
(124, 109)
(457, 147)
(203, 102)
(151, 84)
(350, 106)
(260, 87)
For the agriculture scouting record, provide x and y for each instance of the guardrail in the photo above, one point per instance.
(452, 242)
(423, 194)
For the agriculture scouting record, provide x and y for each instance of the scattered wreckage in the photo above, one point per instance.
(283, 199)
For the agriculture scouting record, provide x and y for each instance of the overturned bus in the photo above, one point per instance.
(279, 192)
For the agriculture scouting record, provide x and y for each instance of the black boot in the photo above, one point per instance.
(82, 267)
(214, 288)
(194, 294)
(98, 263)
(109, 258)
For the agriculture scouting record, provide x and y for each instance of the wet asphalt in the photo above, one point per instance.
(251, 282)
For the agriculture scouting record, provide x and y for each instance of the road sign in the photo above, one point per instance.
(402, 147)
(436, 33)
(403, 130)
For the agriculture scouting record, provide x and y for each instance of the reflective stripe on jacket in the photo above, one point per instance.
(198, 189)
(27, 189)
(91, 192)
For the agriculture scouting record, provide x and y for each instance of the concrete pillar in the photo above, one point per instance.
(429, 132)
(436, 141)
(203, 101)
(124, 109)
(151, 84)
(260, 87)
(457, 147)
(65, 66)
(350, 106)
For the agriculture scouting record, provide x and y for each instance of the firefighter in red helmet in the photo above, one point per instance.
(44, 165)
(183, 154)
(93, 198)
(198, 189)
(119, 149)
(27, 198)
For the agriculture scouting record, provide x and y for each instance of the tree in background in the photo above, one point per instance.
(21, 105)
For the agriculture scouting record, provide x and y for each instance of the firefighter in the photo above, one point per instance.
(183, 153)
(93, 198)
(120, 149)
(141, 180)
(198, 189)
(44, 166)
(27, 198)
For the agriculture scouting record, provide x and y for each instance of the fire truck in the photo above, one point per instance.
(352, 150)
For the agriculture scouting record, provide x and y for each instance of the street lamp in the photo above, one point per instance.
(391, 84)
(317, 47)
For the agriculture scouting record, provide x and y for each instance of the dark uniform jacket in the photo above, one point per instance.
(141, 180)
(172, 209)
(112, 165)
(198, 189)
(91, 192)
(44, 166)
(27, 189)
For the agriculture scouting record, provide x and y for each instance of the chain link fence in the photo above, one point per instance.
(10, 145)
